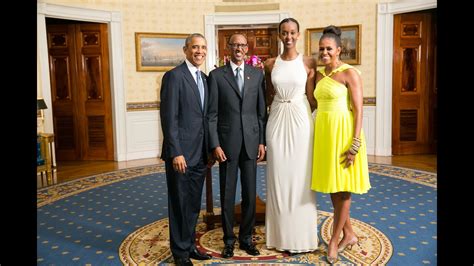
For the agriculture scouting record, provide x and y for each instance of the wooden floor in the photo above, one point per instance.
(71, 170)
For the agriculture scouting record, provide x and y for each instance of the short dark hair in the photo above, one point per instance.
(286, 20)
(191, 36)
(332, 32)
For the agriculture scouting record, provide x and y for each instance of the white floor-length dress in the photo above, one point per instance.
(291, 215)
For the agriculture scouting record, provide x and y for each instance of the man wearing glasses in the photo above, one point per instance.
(237, 117)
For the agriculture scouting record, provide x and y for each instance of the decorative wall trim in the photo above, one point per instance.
(383, 113)
(247, 8)
(213, 20)
(240, 1)
(143, 106)
(144, 135)
(369, 101)
(151, 106)
(114, 20)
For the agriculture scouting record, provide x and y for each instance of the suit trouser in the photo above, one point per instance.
(228, 186)
(184, 205)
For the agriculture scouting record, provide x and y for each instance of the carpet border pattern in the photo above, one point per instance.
(56, 192)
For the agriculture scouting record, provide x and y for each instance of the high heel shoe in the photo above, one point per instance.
(349, 244)
(331, 260)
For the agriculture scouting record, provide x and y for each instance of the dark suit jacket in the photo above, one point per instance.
(184, 124)
(233, 118)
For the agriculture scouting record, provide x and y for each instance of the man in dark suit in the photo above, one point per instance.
(237, 117)
(183, 111)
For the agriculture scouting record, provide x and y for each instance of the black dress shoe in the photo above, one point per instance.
(228, 251)
(183, 261)
(195, 254)
(250, 249)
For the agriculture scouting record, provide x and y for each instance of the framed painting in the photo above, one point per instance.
(350, 40)
(159, 51)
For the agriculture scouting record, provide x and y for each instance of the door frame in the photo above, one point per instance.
(213, 20)
(114, 21)
(383, 108)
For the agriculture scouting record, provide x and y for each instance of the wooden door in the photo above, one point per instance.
(80, 90)
(262, 42)
(414, 105)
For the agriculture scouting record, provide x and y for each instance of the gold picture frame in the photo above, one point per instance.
(159, 51)
(350, 38)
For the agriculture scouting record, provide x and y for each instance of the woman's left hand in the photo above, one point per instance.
(348, 159)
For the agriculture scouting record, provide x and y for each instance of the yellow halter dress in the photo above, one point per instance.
(333, 133)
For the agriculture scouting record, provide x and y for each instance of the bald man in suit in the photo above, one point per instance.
(237, 117)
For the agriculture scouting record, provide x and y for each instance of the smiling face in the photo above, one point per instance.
(328, 51)
(238, 48)
(196, 51)
(289, 34)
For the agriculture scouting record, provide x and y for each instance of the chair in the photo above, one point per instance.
(44, 159)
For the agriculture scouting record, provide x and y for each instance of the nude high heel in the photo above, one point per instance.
(331, 260)
(349, 244)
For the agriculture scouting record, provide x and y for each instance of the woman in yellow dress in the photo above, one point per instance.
(340, 158)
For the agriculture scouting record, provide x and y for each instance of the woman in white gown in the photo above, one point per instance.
(291, 215)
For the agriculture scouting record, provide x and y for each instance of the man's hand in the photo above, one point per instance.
(179, 164)
(210, 161)
(219, 154)
(261, 153)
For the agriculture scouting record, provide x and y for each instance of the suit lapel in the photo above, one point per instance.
(192, 83)
(229, 76)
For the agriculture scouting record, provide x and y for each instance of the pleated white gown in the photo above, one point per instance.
(291, 215)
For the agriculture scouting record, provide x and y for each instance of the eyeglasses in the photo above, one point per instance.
(238, 45)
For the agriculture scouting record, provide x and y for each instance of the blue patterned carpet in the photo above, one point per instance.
(86, 221)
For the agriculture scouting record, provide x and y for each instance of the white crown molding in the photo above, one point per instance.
(70, 12)
(383, 112)
(410, 6)
(114, 20)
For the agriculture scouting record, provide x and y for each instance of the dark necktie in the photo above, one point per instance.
(240, 81)
(200, 87)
